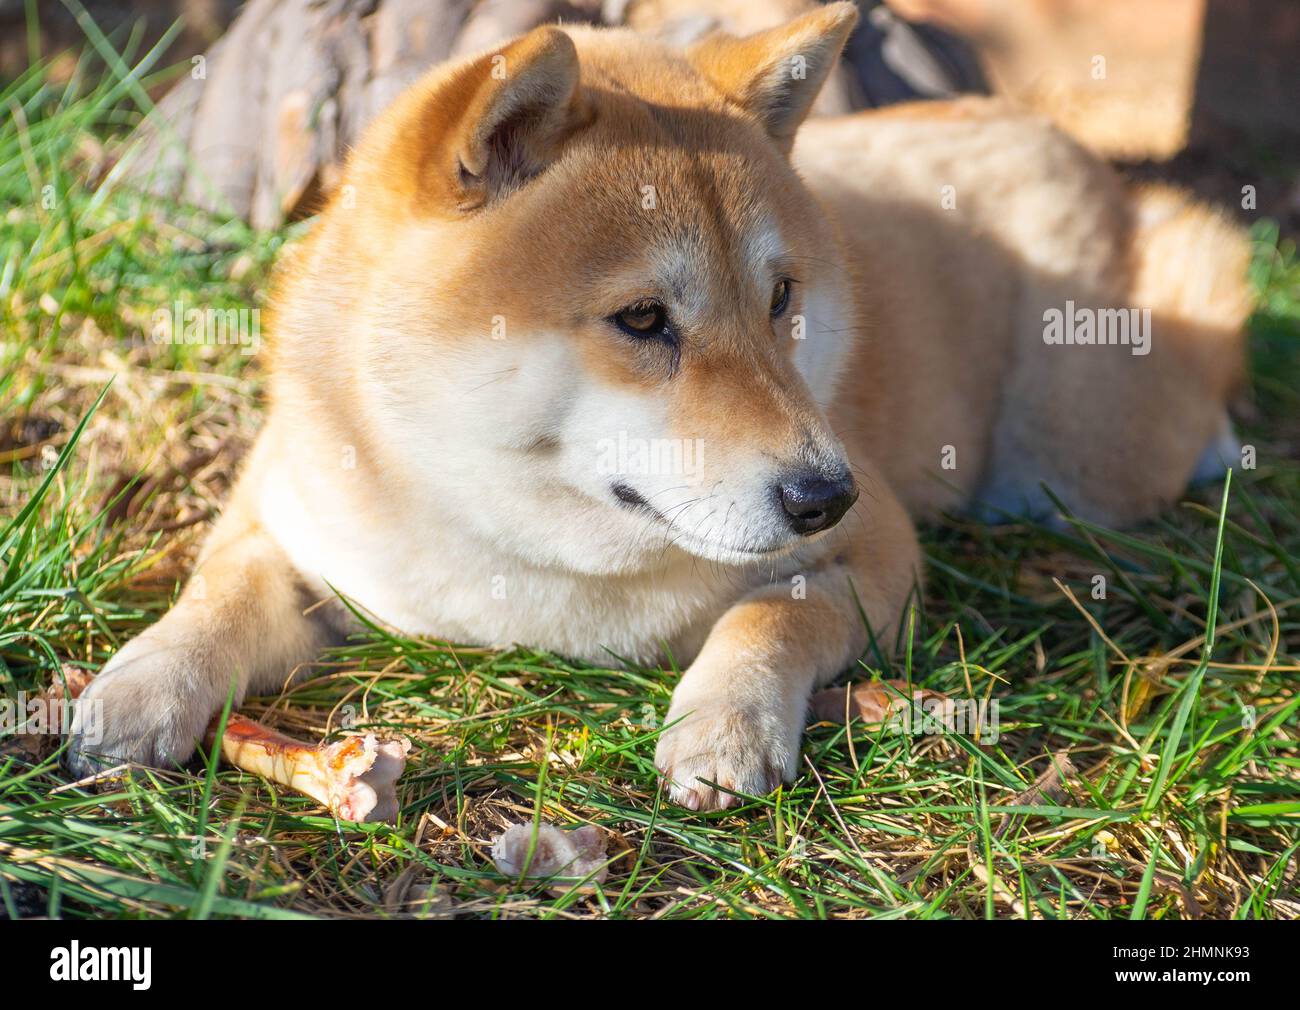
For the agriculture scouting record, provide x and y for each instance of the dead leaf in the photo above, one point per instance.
(1049, 787)
(1050, 784)
(1143, 690)
(871, 701)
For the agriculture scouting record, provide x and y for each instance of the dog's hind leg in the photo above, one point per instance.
(1118, 430)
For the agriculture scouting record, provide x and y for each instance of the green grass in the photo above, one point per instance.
(1174, 699)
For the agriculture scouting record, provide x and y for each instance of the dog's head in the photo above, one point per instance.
(601, 315)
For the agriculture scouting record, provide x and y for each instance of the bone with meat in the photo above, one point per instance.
(355, 777)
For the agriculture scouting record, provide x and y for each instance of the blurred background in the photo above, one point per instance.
(1203, 92)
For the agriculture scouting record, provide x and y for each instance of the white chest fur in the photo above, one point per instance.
(433, 581)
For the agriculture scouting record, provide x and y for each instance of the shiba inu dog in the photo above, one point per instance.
(551, 261)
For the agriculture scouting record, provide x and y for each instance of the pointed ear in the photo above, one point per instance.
(775, 75)
(501, 119)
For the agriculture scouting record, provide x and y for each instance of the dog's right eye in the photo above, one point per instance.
(645, 319)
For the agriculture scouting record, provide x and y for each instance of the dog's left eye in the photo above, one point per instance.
(780, 297)
(646, 319)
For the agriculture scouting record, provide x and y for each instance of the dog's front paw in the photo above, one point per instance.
(741, 748)
(150, 706)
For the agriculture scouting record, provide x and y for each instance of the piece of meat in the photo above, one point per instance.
(355, 777)
(571, 855)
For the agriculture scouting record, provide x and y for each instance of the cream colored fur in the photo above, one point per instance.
(448, 380)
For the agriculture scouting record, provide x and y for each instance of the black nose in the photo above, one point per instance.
(815, 503)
